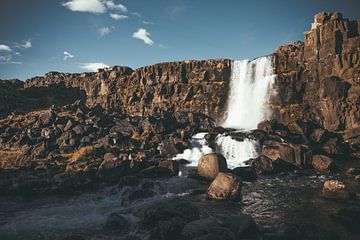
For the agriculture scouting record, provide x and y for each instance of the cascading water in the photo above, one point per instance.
(250, 89)
(249, 92)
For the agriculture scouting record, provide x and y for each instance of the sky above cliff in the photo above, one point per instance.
(39, 36)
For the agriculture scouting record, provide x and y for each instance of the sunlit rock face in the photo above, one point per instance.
(319, 79)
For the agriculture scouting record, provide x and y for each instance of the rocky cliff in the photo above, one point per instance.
(319, 79)
(189, 86)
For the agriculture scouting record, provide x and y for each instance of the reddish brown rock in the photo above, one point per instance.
(211, 164)
(322, 163)
(225, 186)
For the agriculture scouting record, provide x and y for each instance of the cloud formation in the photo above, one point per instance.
(118, 16)
(26, 44)
(93, 66)
(112, 5)
(104, 31)
(4, 47)
(93, 6)
(68, 55)
(148, 23)
(144, 35)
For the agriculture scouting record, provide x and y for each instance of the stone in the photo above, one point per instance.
(349, 217)
(225, 186)
(116, 223)
(246, 173)
(335, 189)
(242, 225)
(265, 165)
(211, 164)
(172, 165)
(199, 228)
(322, 163)
(47, 117)
(170, 229)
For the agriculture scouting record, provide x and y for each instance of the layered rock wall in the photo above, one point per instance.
(319, 79)
(188, 86)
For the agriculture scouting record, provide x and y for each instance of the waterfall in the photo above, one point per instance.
(250, 89)
(249, 92)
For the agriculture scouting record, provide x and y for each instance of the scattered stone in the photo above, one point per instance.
(322, 163)
(211, 164)
(226, 186)
(335, 189)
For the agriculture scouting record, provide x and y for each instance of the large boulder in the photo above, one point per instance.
(265, 165)
(226, 186)
(211, 164)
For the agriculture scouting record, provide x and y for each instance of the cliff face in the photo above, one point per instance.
(319, 79)
(189, 86)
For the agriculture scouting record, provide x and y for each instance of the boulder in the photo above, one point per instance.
(170, 229)
(322, 163)
(211, 164)
(116, 223)
(199, 228)
(242, 225)
(246, 173)
(349, 217)
(335, 189)
(226, 186)
(265, 165)
(171, 165)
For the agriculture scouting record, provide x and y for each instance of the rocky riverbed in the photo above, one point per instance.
(151, 208)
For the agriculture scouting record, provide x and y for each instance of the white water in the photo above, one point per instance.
(198, 149)
(249, 92)
(236, 152)
(250, 89)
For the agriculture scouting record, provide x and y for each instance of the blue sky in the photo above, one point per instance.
(39, 36)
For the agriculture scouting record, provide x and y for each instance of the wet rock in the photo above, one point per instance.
(335, 189)
(217, 233)
(225, 186)
(296, 154)
(155, 171)
(211, 164)
(265, 165)
(242, 225)
(170, 229)
(309, 231)
(348, 217)
(116, 223)
(199, 228)
(172, 165)
(322, 163)
(166, 211)
(246, 173)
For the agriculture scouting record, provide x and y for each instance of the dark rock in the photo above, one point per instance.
(265, 165)
(246, 173)
(170, 229)
(309, 231)
(172, 165)
(211, 164)
(242, 225)
(199, 228)
(348, 217)
(323, 163)
(225, 186)
(116, 223)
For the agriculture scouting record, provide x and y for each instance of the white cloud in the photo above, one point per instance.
(93, 66)
(104, 31)
(148, 23)
(26, 44)
(112, 5)
(68, 55)
(136, 14)
(118, 16)
(92, 6)
(8, 59)
(142, 34)
(4, 47)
